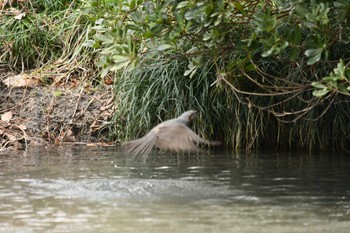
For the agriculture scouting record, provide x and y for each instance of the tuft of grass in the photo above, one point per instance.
(25, 44)
(48, 31)
(157, 90)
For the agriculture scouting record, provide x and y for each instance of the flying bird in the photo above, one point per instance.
(172, 135)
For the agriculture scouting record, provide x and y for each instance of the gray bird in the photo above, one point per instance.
(172, 135)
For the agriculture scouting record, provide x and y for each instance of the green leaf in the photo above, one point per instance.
(268, 52)
(320, 93)
(104, 72)
(120, 65)
(340, 70)
(293, 54)
(314, 55)
(192, 68)
(218, 20)
(250, 67)
(239, 6)
(163, 47)
(331, 78)
(108, 50)
(120, 58)
(302, 11)
(318, 85)
(132, 4)
(104, 39)
(296, 35)
(189, 15)
(89, 43)
(283, 45)
(343, 88)
(179, 19)
(99, 21)
(182, 4)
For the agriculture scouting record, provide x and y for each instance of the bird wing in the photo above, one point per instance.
(141, 146)
(178, 138)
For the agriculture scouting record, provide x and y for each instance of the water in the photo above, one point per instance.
(82, 189)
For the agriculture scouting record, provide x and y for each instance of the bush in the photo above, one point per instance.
(263, 73)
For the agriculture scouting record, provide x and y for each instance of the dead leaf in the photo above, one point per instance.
(15, 81)
(6, 117)
(69, 137)
(13, 11)
(20, 16)
(17, 145)
(11, 137)
(22, 127)
(20, 80)
(108, 81)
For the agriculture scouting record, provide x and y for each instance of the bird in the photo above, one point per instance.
(173, 135)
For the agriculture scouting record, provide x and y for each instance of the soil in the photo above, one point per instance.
(42, 114)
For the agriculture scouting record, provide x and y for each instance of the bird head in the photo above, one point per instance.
(188, 116)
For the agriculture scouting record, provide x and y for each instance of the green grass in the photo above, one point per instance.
(48, 31)
(157, 90)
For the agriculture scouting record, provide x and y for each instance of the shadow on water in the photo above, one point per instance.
(61, 188)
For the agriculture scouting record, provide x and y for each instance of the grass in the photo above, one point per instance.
(49, 31)
(157, 90)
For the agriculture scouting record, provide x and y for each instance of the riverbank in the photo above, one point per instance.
(262, 75)
(34, 114)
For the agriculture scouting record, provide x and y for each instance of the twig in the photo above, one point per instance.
(25, 136)
(78, 101)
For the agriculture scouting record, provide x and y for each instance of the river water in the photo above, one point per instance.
(83, 189)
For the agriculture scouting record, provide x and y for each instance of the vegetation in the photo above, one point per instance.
(45, 38)
(263, 74)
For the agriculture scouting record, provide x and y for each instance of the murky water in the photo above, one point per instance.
(80, 189)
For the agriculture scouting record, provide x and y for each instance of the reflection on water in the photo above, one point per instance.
(66, 189)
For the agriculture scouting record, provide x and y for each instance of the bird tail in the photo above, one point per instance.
(140, 147)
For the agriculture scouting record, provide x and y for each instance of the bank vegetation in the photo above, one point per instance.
(262, 74)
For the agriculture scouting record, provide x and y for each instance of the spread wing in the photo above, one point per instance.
(175, 137)
(178, 138)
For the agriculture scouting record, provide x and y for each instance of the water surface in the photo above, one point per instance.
(83, 189)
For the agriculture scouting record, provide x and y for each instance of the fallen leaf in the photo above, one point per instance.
(6, 117)
(13, 11)
(69, 137)
(11, 137)
(20, 80)
(20, 16)
(22, 127)
(108, 81)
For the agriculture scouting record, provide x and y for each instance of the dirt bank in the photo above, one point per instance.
(39, 114)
